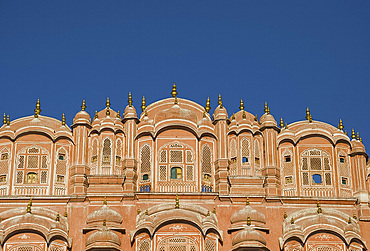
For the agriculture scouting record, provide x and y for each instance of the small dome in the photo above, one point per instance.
(220, 113)
(267, 118)
(82, 117)
(103, 238)
(248, 235)
(357, 146)
(242, 215)
(130, 112)
(176, 112)
(104, 213)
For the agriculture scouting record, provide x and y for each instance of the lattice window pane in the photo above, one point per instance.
(145, 159)
(162, 173)
(256, 149)
(44, 176)
(328, 178)
(44, 161)
(33, 150)
(95, 148)
(61, 167)
(326, 164)
(177, 248)
(206, 159)
(107, 151)
(176, 156)
(3, 166)
(144, 246)
(245, 147)
(315, 152)
(189, 173)
(305, 179)
(33, 162)
(24, 249)
(19, 177)
(119, 148)
(21, 161)
(209, 245)
(163, 157)
(315, 163)
(232, 148)
(326, 248)
(189, 156)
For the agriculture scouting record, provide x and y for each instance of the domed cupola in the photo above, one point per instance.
(130, 111)
(103, 239)
(247, 214)
(82, 117)
(356, 143)
(104, 214)
(267, 120)
(248, 238)
(176, 112)
(220, 111)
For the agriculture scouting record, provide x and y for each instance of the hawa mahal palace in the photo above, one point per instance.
(177, 178)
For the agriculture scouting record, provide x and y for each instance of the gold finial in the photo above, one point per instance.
(244, 115)
(319, 210)
(247, 203)
(143, 105)
(65, 214)
(37, 110)
(129, 99)
(220, 101)
(358, 136)
(353, 134)
(4, 119)
(266, 108)
(281, 123)
(214, 210)
(138, 211)
(286, 126)
(104, 223)
(308, 115)
(292, 221)
(354, 216)
(107, 104)
(177, 205)
(360, 139)
(241, 106)
(233, 116)
(63, 119)
(7, 120)
(174, 90)
(58, 217)
(96, 115)
(256, 117)
(29, 206)
(118, 115)
(204, 114)
(146, 212)
(105, 200)
(285, 215)
(345, 132)
(207, 107)
(248, 221)
(175, 102)
(349, 220)
(208, 214)
(83, 106)
(340, 125)
(30, 202)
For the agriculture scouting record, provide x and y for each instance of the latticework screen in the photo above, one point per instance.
(107, 152)
(145, 159)
(206, 159)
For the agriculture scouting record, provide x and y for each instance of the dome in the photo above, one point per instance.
(104, 213)
(103, 238)
(243, 214)
(176, 112)
(220, 113)
(130, 112)
(248, 235)
(82, 117)
(267, 118)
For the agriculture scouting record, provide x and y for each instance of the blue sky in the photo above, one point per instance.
(292, 54)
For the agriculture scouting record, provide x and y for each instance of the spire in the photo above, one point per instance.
(29, 206)
(96, 115)
(353, 134)
(129, 99)
(248, 221)
(83, 106)
(247, 203)
(104, 223)
(63, 119)
(65, 214)
(118, 115)
(308, 115)
(292, 221)
(340, 125)
(285, 215)
(7, 120)
(174, 91)
(241, 106)
(138, 211)
(266, 108)
(286, 126)
(208, 106)
(143, 105)
(107, 104)
(233, 116)
(358, 136)
(281, 123)
(244, 115)
(4, 119)
(319, 210)
(37, 110)
(105, 200)
(354, 216)
(220, 101)
(177, 204)
(58, 217)
(256, 118)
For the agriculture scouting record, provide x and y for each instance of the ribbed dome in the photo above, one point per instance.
(220, 113)
(176, 112)
(248, 235)
(267, 118)
(82, 117)
(130, 112)
(242, 215)
(104, 236)
(104, 213)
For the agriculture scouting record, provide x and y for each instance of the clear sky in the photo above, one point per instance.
(292, 54)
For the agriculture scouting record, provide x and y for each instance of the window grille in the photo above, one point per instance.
(233, 148)
(189, 156)
(163, 156)
(245, 150)
(44, 175)
(106, 152)
(145, 159)
(304, 164)
(144, 245)
(33, 162)
(315, 163)
(209, 245)
(189, 173)
(19, 177)
(176, 156)
(305, 179)
(162, 173)
(21, 161)
(328, 178)
(206, 159)
(326, 164)
(33, 150)
(44, 161)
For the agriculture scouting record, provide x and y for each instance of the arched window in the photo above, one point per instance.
(107, 152)
(316, 168)
(176, 173)
(233, 158)
(206, 159)
(145, 159)
(257, 161)
(245, 146)
(4, 165)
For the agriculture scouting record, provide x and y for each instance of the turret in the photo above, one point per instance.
(270, 171)
(221, 164)
(79, 168)
(130, 122)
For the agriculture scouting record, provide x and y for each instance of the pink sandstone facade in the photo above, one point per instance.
(178, 178)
